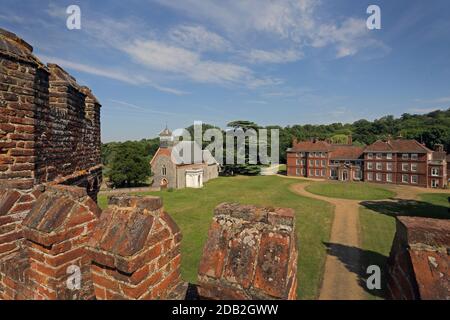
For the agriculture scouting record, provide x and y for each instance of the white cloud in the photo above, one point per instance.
(262, 56)
(293, 21)
(198, 38)
(111, 74)
(160, 56)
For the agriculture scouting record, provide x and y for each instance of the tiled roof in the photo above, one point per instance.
(346, 152)
(311, 146)
(397, 146)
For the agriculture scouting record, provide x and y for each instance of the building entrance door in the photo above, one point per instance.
(344, 175)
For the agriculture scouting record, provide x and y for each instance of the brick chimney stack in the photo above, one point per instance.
(439, 147)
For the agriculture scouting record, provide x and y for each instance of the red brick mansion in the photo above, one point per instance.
(405, 162)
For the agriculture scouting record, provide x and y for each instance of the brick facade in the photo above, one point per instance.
(404, 162)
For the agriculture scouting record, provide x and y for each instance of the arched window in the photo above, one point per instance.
(163, 170)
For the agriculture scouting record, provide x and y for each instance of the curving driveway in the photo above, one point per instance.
(341, 280)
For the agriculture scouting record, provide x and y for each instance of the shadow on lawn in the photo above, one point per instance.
(399, 207)
(357, 260)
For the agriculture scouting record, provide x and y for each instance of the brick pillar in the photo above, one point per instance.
(135, 251)
(56, 231)
(419, 262)
(251, 253)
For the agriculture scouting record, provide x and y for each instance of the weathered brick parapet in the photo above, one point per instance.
(419, 262)
(14, 206)
(135, 251)
(56, 230)
(49, 124)
(251, 253)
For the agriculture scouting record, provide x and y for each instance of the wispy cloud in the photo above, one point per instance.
(278, 56)
(294, 21)
(111, 74)
(160, 56)
(198, 38)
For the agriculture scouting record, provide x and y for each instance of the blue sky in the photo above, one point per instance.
(152, 62)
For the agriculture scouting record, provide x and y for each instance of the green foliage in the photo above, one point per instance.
(127, 164)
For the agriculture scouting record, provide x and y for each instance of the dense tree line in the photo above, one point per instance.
(125, 162)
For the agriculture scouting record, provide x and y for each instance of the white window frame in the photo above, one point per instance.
(405, 180)
(433, 170)
(369, 165)
(324, 163)
(311, 162)
(389, 156)
(405, 165)
(379, 177)
(405, 156)
(369, 176)
(434, 183)
(297, 171)
(379, 166)
(379, 156)
(317, 172)
(417, 179)
(389, 166)
(389, 177)
(317, 163)
(414, 156)
(298, 162)
(370, 155)
(414, 167)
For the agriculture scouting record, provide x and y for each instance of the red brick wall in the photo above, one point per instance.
(49, 125)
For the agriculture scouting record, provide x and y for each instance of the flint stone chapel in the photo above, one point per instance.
(181, 172)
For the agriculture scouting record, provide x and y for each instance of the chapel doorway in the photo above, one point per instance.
(164, 183)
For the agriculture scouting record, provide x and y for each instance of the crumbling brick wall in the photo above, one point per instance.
(49, 125)
(251, 253)
(419, 262)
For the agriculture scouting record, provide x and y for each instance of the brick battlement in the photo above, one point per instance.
(419, 262)
(251, 253)
(49, 124)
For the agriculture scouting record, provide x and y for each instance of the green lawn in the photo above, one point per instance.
(350, 190)
(192, 209)
(378, 225)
